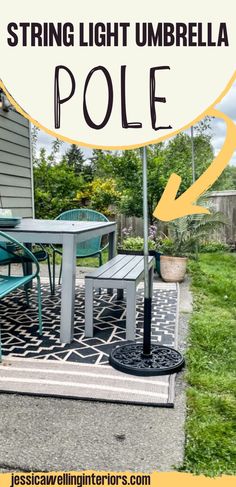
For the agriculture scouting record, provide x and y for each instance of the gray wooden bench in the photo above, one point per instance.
(121, 272)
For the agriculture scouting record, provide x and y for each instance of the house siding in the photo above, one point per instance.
(15, 164)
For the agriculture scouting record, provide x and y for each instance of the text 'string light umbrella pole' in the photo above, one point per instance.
(146, 358)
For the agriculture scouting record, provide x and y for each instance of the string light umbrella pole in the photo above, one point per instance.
(146, 358)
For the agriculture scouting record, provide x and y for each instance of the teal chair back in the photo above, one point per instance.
(92, 246)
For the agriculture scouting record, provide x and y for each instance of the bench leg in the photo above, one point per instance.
(111, 252)
(88, 308)
(131, 312)
(120, 294)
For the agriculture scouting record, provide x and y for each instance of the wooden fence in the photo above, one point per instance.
(135, 225)
(224, 201)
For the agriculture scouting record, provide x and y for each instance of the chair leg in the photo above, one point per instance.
(59, 280)
(39, 306)
(27, 296)
(9, 269)
(26, 287)
(50, 274)
(120, 294)
(0, 346)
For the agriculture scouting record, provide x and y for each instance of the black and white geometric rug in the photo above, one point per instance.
(20, 325)
(84, 357)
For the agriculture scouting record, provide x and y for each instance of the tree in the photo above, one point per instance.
(233, 175)
(75, 158)
(115, 177)
(130, 181)
(99, 195)
(56, 186)
(55, 151)
(162, 160)
(125, 168)
(178, 155)
(227, 180)
(34, 140)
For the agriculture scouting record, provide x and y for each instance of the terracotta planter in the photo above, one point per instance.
(173, 269)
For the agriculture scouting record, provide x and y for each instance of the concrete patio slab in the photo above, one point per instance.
(60, 434)
(51, 434)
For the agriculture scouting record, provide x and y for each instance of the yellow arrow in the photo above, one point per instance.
(169, 207)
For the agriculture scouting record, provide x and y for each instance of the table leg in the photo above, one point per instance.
(111, 251)
(112, 245)
(88, 308)
(68, 288)
(29, 267)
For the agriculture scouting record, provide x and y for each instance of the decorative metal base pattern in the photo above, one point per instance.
(129, 358)
(20, 336)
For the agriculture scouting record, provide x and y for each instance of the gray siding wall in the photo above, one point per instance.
(15, 164)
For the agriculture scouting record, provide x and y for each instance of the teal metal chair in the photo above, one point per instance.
(92, 247)
(9, 257)
(9, 248)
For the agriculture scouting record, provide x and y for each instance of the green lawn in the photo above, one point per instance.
(92, 261)
(87, 261)
(211, 359)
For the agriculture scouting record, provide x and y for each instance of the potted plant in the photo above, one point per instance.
(173, 264)
(185, 237)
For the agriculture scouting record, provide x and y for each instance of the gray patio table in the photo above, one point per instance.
(67, 234)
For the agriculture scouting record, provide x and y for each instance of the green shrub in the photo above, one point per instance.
(214, 246)
(136, 243)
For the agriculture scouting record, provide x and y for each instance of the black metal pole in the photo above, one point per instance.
(146, 358)
(147, 297)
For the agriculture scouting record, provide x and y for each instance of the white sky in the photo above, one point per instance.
(227, 105)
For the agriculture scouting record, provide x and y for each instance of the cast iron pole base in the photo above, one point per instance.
(129, 358)
(146, 358)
